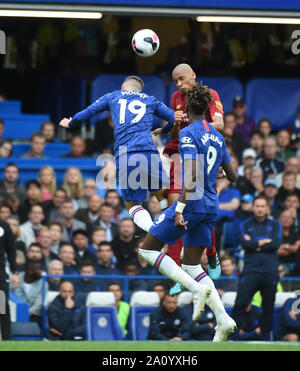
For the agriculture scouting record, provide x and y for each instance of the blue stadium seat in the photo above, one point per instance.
(10, 106)
(276, 99)
(227, 88)
(25, 331)
(106, 83)
(74, 95)
(21, 126)
(51, 149)
(142, 304)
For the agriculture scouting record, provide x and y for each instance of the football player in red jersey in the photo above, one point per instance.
(185, 78)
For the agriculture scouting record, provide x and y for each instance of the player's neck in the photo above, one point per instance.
(196, 118)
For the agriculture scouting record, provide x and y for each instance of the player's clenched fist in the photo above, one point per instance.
(65, 122)
(178, 117)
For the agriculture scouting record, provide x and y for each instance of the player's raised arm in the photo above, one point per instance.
(100, 105)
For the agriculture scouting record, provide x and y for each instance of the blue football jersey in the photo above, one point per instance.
(201, 141)
(132, 114)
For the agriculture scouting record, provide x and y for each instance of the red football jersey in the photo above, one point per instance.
(178, 103)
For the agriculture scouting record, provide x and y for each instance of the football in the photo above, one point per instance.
(145, 43)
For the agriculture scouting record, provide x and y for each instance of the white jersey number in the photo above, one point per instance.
(136, 107)
(211, 157)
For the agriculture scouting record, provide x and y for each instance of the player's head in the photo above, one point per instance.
(133, 83)
(184, 77)
(198, 99)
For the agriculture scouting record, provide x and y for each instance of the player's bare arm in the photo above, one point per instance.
(218, 123)
(178, 116)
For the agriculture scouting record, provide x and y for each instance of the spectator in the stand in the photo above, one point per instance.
(78, 148)
(56, 267)
(30, 229)
(145, 268)
(14, 224)
(169, 322)
(73, 183)
(80, 240)
(10, 185)
(249, 324)
(135, 284)
(154, 207)
(249, 158)
(37, 144)
(123, 308)
(48, 130)
(69, 223)
(1, 127)
(67, 256)
(112, 197)
(256, 181)
(90, 215)
(290, 242)
(47, 180)
(45, 243)
(269, 164)
(30, 289)
(243, 181)
(106, 214)
(5, 211)
(292, 165)
(87, 284)
(52, 206)
(288, 326)
(291, 203)
(228, 270)
(264, 127)
(66, 315)
(271, 191)
(245, 125)
(33, 196)
(160, 289)
(104, 136)
(89, 190)
(289, 181)
(56, 231)
(6, 148)
(257, 142)
(104, 264)
(283, 140)
(34, 253)
(98, 235)
(233, 138)
(124, 245)
(229, 200)
(260, 237)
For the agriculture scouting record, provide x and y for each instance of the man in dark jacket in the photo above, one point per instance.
(169, 322)
(66, 315)
(288, 327)
(260, 237)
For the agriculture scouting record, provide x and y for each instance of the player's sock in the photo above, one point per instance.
(210, 251)
(141, 217)
(174, 251)
(165, 265)
(213, 301)
(163, 204)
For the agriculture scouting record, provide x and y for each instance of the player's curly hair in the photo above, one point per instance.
(199, 97)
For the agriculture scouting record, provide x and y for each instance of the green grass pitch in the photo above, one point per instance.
(146, 346)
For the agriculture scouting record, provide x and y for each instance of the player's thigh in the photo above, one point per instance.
(192, 255)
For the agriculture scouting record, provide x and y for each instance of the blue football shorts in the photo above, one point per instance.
(139, 173)
(199, 227)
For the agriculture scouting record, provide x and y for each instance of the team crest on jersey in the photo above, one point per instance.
(178, 106)
(219, 105)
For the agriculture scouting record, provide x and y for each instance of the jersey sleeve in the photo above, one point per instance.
(215, 107)
(101, 104)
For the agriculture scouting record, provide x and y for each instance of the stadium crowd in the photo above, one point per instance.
(69, 228)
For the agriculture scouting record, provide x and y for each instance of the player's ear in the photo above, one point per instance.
(122, 87)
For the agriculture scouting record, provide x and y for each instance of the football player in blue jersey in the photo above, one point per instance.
(138, 164)
(203, 151)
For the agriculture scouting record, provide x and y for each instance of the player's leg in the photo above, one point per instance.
(139, 215)
(162, 232)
